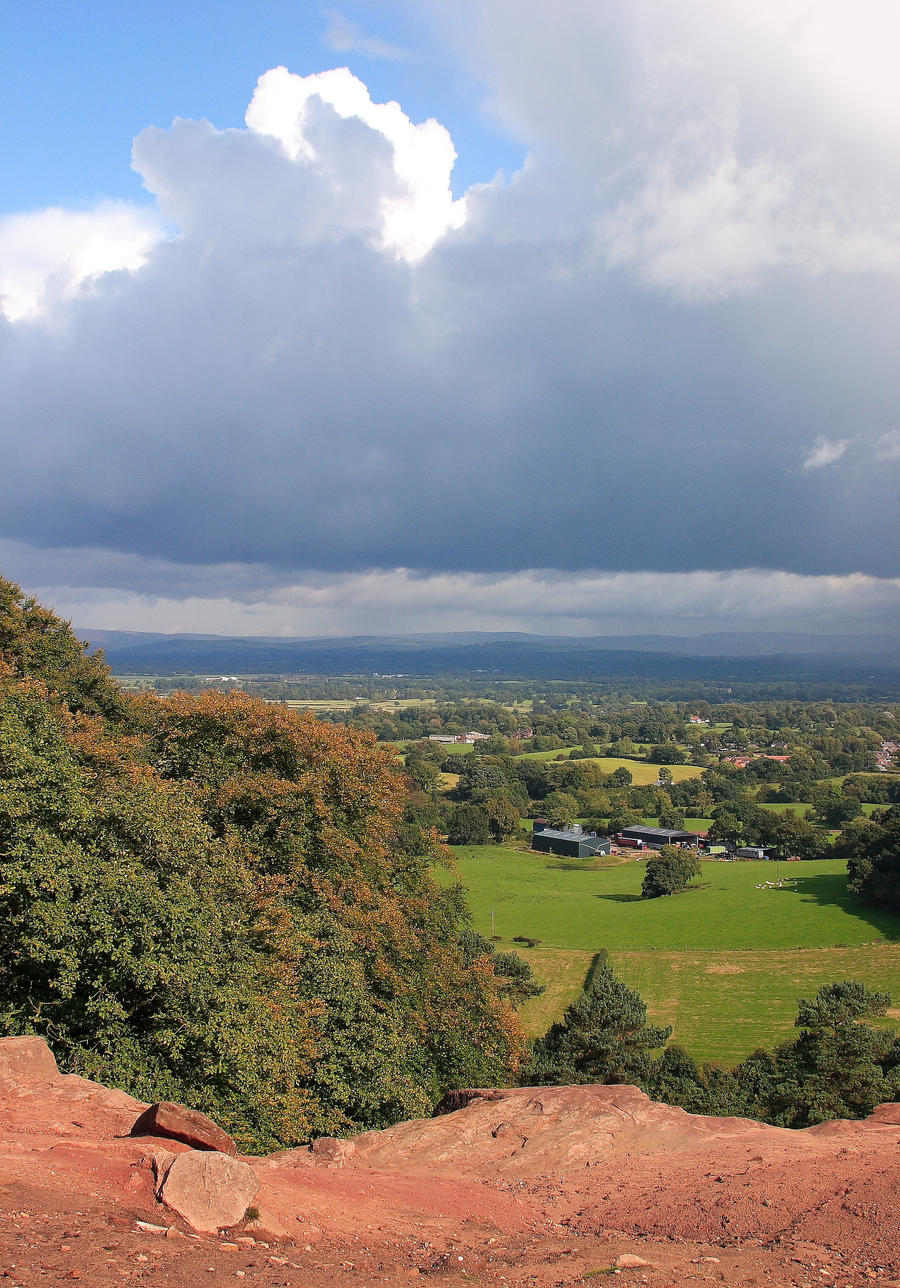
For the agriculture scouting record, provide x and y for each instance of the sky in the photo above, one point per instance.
(403, 315)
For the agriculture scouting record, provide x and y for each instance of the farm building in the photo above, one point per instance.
(657, 837)
(572, 842)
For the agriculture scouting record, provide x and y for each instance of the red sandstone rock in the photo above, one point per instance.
(24, 1060)
(529, 1186)
(328, 1149)
(187, 1125)
(209, 1190)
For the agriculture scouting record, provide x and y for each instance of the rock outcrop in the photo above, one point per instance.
(176, 1122)
(26, 1060)
(210, 1191)
(540, 1186)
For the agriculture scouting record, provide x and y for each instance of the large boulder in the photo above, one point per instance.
(210, 1191)
(26, 1060)
(176, 1122)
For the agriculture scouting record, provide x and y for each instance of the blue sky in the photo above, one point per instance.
(270, 362)
(80, 81)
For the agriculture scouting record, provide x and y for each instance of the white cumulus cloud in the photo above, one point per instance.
(618, 360)
(417, 206)
(48, 256)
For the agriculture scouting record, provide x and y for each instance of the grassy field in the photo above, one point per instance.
(723, 1005)
(690, 824)
(723, 962)
(576, 903)
(720, 1005)
(784, 807)
(641, 772)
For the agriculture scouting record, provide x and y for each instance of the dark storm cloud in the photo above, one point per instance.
(274, 387)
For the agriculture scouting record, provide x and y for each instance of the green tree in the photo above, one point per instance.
(210, 899)
(560, 809)
(34, 642)
(503, 817)
(132, 938)
(837, 1068)
(668, 872)
(515, 978)
(603, 1037)
(468, 825)
(872, 851)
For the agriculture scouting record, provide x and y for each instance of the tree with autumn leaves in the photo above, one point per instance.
(204, 899)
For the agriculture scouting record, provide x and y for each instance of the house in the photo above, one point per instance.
(656, 837)
(571, 842)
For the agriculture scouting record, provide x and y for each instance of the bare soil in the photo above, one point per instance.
(541, 1186)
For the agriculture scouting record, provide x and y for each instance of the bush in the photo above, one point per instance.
(668, 872)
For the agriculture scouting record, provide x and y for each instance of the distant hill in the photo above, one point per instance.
(712, 656)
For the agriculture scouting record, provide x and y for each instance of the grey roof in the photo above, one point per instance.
(638, 829)
(568, 835)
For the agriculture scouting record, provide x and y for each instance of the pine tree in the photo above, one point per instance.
(603, 1037)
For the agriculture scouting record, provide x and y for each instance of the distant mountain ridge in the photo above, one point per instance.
(511, 653)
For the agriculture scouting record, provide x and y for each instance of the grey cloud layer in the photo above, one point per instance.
(97, 588)
(273, 389)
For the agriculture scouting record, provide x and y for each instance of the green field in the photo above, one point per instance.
(723, 962)
(641, 772)
(574, 904)
(721, 1005)
(644, 773)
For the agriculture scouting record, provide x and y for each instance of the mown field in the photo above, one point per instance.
(723, 962)
(641, 771)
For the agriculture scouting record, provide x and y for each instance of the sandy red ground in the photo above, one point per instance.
(543, 1186)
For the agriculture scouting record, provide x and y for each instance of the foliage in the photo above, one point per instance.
(515, 977)
(34, 642)
(837, 1067)
(468, 825)
(873, 858)
(402, 1016)
(603, 1037)
(211, 899)
(668, 872)
(130, 937)
(560, 809)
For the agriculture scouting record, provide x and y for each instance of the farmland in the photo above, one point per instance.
(724, 962)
